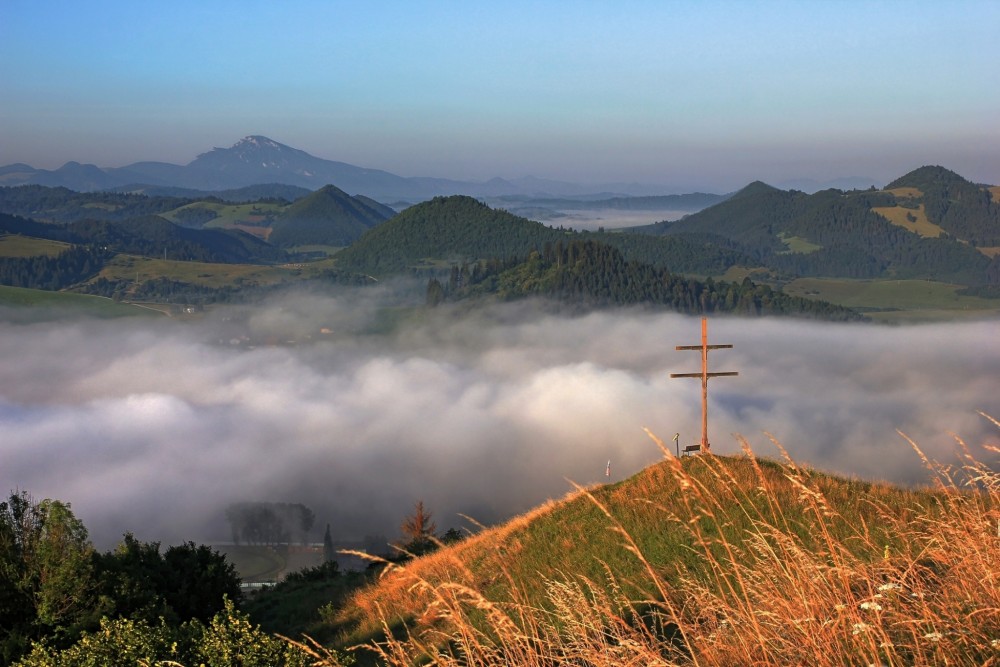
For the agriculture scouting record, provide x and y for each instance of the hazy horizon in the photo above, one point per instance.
(690, 96)
(154, 426)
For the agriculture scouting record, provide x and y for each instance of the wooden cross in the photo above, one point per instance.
(704, 375)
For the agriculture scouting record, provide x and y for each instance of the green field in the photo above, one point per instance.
(897, 300)
(229, 215)
(15, 245)
(798, 245)
(68, 302)
(133, 267)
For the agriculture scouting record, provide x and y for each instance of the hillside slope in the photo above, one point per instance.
(328, 216)
(453, 228)
(857, 234)
(709, 560)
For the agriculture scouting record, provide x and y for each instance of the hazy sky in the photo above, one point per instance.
(685, 94)
(154, 426)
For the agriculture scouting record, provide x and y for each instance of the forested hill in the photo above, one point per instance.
(328, 216)
(461, 229)
(445, 228)
(930, 224)
(963, 209)
(589, 274)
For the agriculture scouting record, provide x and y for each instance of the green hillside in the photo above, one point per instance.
(585, 274)
(41, 302)
(860, 234)
(963, 209)
(449, 229)
(710, 561)
(328, 216)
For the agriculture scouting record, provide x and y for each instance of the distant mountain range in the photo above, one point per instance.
(256, 159)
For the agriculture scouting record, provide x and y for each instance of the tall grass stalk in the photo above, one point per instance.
(779, 574)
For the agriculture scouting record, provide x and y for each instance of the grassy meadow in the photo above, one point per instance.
(919, 225)
(129, 267)
(707, 560)
(16, 245)
(67, 303)
(897, 300)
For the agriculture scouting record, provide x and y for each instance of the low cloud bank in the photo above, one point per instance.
(154, 427)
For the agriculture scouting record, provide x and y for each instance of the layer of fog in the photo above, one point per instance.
(592, 220)
(155, 426)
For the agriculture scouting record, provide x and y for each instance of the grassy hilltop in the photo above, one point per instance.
(710, 561)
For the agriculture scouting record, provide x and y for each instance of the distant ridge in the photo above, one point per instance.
(257, 159)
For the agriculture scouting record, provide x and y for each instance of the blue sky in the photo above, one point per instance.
(684, 94)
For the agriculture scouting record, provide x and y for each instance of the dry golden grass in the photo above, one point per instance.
(995, 191)
(920, 226)
(784, 571)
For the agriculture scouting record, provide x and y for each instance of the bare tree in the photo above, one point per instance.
(419, 526)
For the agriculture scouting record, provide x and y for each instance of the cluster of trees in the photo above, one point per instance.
(269, 523)
(74, 265)
(55, 587)
(62, 205)
(591, 274)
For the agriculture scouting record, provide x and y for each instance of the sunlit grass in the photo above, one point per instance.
(919, 225)
(712, 561)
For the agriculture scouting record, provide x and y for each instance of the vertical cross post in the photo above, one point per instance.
(704, 375)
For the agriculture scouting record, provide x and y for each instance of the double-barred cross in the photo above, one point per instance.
(704, 375)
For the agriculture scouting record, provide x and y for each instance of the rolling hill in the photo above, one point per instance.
(858, 234)
(444, 229)
(705, 560)
(328, 216)
(452, 230)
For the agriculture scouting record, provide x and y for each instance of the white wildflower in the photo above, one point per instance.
(871, 606)
(860, 628)
(934, 636)
(884, 588)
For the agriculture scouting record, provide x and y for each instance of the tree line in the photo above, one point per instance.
(587, 274)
